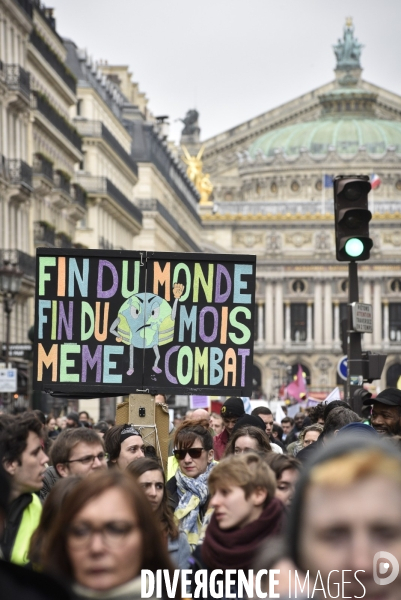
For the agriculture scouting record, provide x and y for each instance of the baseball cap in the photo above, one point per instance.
(232, 407)
(390, 396)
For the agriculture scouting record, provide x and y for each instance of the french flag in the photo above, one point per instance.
(375, 181)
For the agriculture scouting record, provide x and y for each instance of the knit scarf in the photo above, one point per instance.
(192, 494)
(235, 548)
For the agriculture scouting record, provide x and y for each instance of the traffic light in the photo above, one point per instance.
(358, 398)
(352, 216)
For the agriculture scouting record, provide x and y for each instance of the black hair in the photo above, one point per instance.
(101, 426)
(338, 418)
(279, 430)
(261, 410)
(335, 404)
(317, 412)
(112, 440)
(14, 436)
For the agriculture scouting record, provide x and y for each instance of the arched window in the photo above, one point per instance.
(298, 286)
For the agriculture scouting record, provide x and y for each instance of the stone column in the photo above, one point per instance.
(278, 314)
(4, 146)
(288, 323)
(269, 314)
(3, 57)
(17, 134)
(328, 319)
(377, 313)
(336, 323)
(386, 324)
(309, 323)
(260, 323)
(367, 298)
(318, 313)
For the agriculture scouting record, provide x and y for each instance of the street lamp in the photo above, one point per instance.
(10, 283)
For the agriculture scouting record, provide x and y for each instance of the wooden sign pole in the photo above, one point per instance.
(150, 418)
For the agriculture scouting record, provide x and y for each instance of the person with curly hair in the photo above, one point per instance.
(316, 413)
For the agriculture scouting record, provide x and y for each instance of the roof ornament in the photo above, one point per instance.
(191, 125)
(348, 50)
(195, 173)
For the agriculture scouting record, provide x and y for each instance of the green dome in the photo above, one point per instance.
(344, 134)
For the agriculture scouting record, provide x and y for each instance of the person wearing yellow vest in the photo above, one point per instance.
(20, 583)
(23, 458)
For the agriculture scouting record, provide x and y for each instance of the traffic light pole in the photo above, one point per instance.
(353, 243)
(354, 347)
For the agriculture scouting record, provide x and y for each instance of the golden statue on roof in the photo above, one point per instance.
(195, 173)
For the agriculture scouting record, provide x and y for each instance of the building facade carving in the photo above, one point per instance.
(271, 174)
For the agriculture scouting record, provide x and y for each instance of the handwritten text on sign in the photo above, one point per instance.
(165, 321)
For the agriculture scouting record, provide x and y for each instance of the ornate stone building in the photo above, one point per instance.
(39, 149)
(16, 191)
(107, 171)
(83, 162)
(270, 198)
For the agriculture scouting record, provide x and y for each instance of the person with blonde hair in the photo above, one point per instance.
(310, 435)
(346, 516)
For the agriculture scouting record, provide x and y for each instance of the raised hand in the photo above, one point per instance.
(178, 290)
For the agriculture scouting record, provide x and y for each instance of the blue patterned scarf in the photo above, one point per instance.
(192, 493)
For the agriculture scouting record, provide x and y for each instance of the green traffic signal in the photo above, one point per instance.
(354, 247)
(352, 217)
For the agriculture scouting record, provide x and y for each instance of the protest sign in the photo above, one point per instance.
(119, 322)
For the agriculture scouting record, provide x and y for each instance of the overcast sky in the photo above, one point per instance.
(231, 59)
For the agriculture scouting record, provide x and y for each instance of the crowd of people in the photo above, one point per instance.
(84, 507)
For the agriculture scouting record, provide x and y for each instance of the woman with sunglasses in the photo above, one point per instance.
(150, 476)
(187, 489)
(104, 536)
